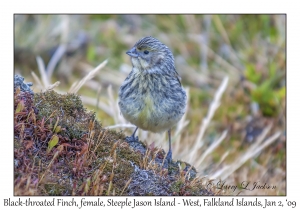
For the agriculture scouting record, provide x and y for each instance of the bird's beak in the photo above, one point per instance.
(132, 52)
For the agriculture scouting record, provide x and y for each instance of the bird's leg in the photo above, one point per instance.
(132, 138)
(169, 155)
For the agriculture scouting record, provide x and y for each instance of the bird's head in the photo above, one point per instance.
(149, 53)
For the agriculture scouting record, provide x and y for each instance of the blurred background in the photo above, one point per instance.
(232, 66)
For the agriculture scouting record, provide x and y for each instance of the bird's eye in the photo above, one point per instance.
(146, 52)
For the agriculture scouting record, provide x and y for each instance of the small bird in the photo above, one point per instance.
(152, 97)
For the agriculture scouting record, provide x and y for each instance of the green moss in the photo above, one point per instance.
(57, 189)
(176, 186)
(128, 154)
(68, 108)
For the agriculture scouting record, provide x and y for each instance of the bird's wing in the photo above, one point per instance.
(177, 77)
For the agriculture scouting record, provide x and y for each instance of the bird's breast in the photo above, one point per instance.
(151, 102)
(145, 111)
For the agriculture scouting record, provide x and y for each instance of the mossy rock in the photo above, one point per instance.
(87, 159)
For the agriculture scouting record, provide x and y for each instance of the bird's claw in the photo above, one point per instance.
(132, 139)
(169, 157)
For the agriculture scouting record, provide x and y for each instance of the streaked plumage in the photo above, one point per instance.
(151, 97)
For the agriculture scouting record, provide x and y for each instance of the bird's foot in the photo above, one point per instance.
(169, 157)
(132, 139)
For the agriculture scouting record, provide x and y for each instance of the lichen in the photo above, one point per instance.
(19, 82)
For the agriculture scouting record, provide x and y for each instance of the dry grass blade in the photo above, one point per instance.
(205, 42)
(235, 72)
(51, 87)
(223, 32)
(221, 28)
(110, 181)
(88, 77)
(48, 167)
(114, 147)
(113, 104)
(37, 80)
(251, 152)
(99, 141)
(121, 126)
(92, 101)
(55, 59)
(42, 70)
(126, 185)
(98, 97)
(205, 122)
(74, 84)
(217, 58)
(211, 148)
